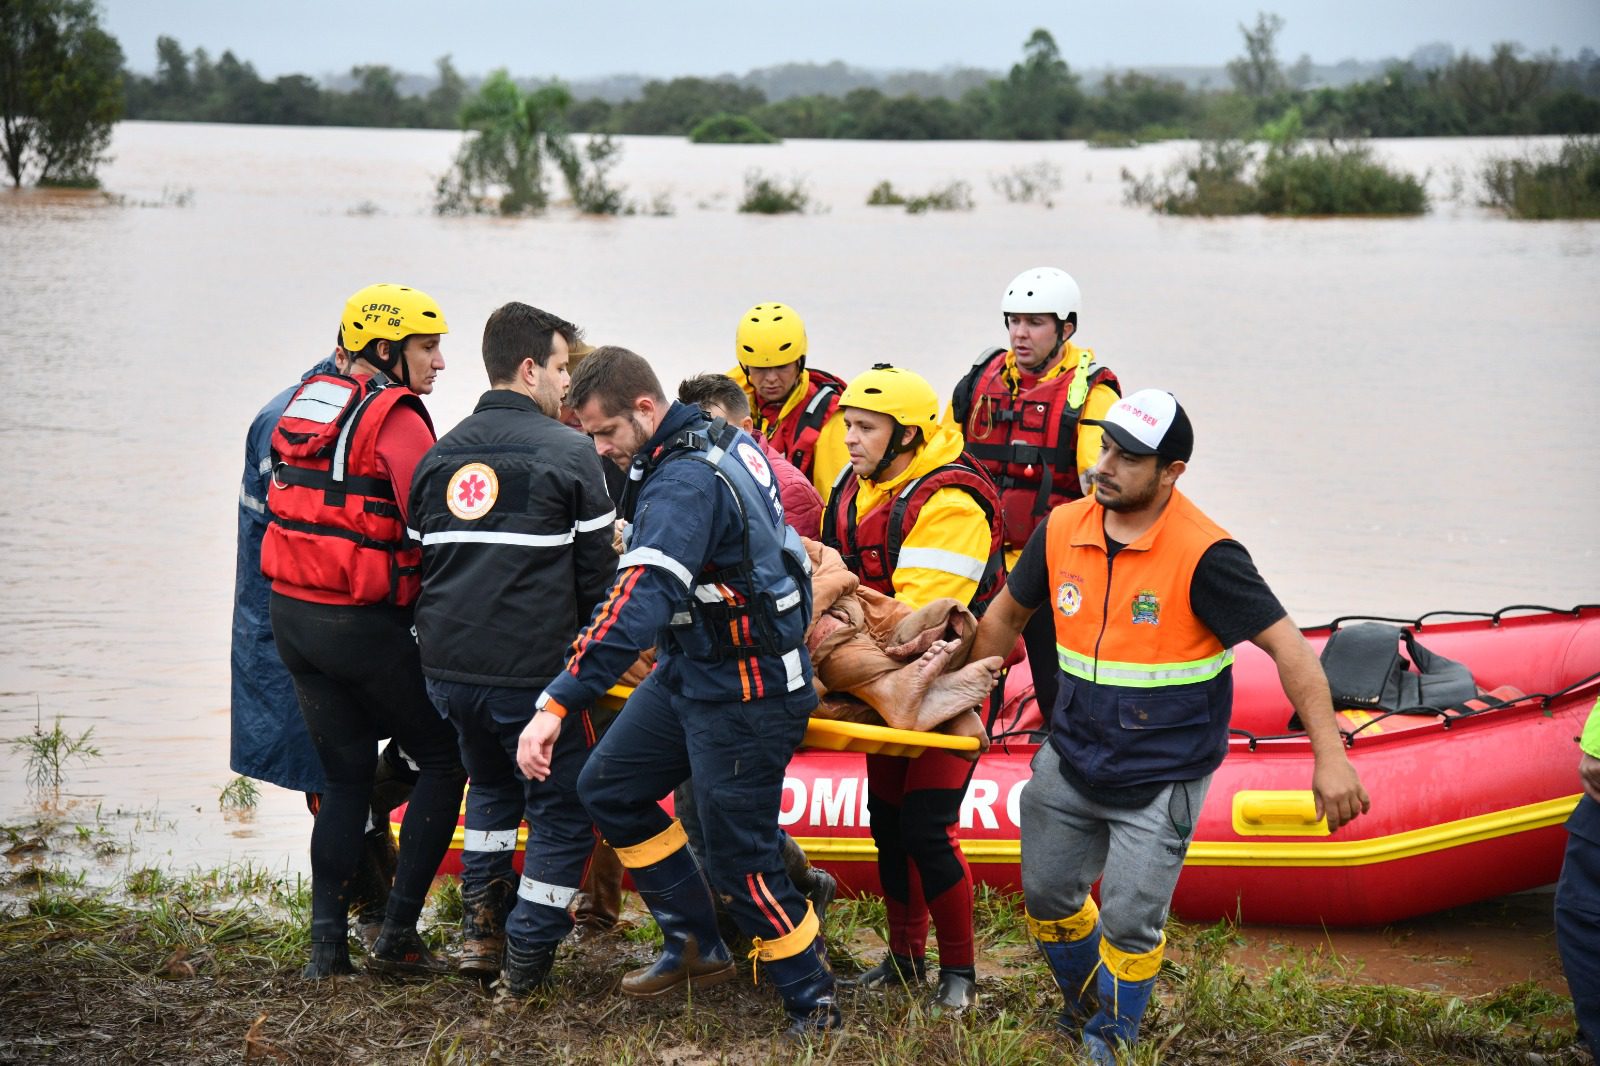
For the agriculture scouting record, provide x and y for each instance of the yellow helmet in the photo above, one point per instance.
(903, 395)
(770, 335)
(389, 313)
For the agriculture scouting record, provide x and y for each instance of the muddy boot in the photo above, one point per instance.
(483, 928)
(369, 891)
(400, 950)
(527, 968)
(806, 985)
(1072, 948)
(600, 901)
(815, 884)
(895, 971)
(1124, 984)
(328, 959)
(957, 991)
(675, 890)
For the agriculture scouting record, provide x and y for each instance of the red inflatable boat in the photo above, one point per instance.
(1467, 804)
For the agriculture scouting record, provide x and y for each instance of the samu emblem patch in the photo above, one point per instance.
(1146, 608)
(1069, 598)
(472, 491)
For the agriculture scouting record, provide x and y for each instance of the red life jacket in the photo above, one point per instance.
(336, 534)
(871, 548)
(796, 436)
(1028, 442)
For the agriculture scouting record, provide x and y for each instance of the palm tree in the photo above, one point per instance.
(513, 137)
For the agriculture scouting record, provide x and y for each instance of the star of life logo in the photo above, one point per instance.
(756, 463)
(472, 491)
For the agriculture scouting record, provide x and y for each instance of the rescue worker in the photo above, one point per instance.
(916, 518)
(1578, 891)
(1025, 411)
(344, 579)
(719, 396)
(712, 577)
(1148, 597)
(516, 528)
(268, 737)
(794, 407)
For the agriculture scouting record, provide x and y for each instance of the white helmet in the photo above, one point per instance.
(1043, 290)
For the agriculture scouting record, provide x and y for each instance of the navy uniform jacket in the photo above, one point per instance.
(269, 739)
(685, 524)
(509, 574)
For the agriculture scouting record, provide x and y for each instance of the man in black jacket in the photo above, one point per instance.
(516, 526)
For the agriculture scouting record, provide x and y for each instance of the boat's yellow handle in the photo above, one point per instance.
(1262, 812)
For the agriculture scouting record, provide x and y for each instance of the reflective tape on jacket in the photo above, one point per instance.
(658, 558)
(1142, 675)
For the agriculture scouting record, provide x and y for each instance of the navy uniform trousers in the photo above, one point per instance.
(736, 754)
(489, 720)
(1578, 918)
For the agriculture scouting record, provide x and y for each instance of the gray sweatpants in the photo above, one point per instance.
(1068, 841)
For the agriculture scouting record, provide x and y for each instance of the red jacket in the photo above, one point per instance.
(802, 505)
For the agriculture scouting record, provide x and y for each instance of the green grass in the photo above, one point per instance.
(240, 794)
(220, 949)
(47, 753)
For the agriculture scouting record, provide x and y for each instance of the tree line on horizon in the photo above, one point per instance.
(64, 83)
(1041, 98)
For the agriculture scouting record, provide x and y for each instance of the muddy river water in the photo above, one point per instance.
(1394, 416)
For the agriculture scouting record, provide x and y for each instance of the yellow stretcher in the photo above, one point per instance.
(849, 736)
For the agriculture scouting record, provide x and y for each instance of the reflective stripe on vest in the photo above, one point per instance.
(871, 547)
(1142, 675)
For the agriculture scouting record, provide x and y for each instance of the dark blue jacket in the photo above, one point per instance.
(269, 740)
(686, 533)
(506, 587)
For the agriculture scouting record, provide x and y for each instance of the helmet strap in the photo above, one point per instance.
(894, 450)
(397, 367)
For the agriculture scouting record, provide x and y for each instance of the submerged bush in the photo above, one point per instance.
(883, 195)
(1544, 184)
(1340, 179)
(1212, 181)
(765, 195)
(730, 129)
(1223, 178)
(956, 196)
(1033, 183)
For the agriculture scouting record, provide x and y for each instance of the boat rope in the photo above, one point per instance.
(1420, 621)
(1447, 715)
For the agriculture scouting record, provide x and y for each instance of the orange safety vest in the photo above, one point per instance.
(1146, 690)
(1028, 442)
(336, 534)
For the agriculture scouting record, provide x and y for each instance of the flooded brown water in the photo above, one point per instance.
(1394, 415)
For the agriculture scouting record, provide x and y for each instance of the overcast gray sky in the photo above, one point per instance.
(574, 40)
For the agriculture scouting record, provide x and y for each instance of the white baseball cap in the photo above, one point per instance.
(1149, 422)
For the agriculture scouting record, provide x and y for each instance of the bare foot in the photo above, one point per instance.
(962, 690)
(911, 684)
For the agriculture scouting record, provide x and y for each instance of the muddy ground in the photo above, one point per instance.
(163, 979)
